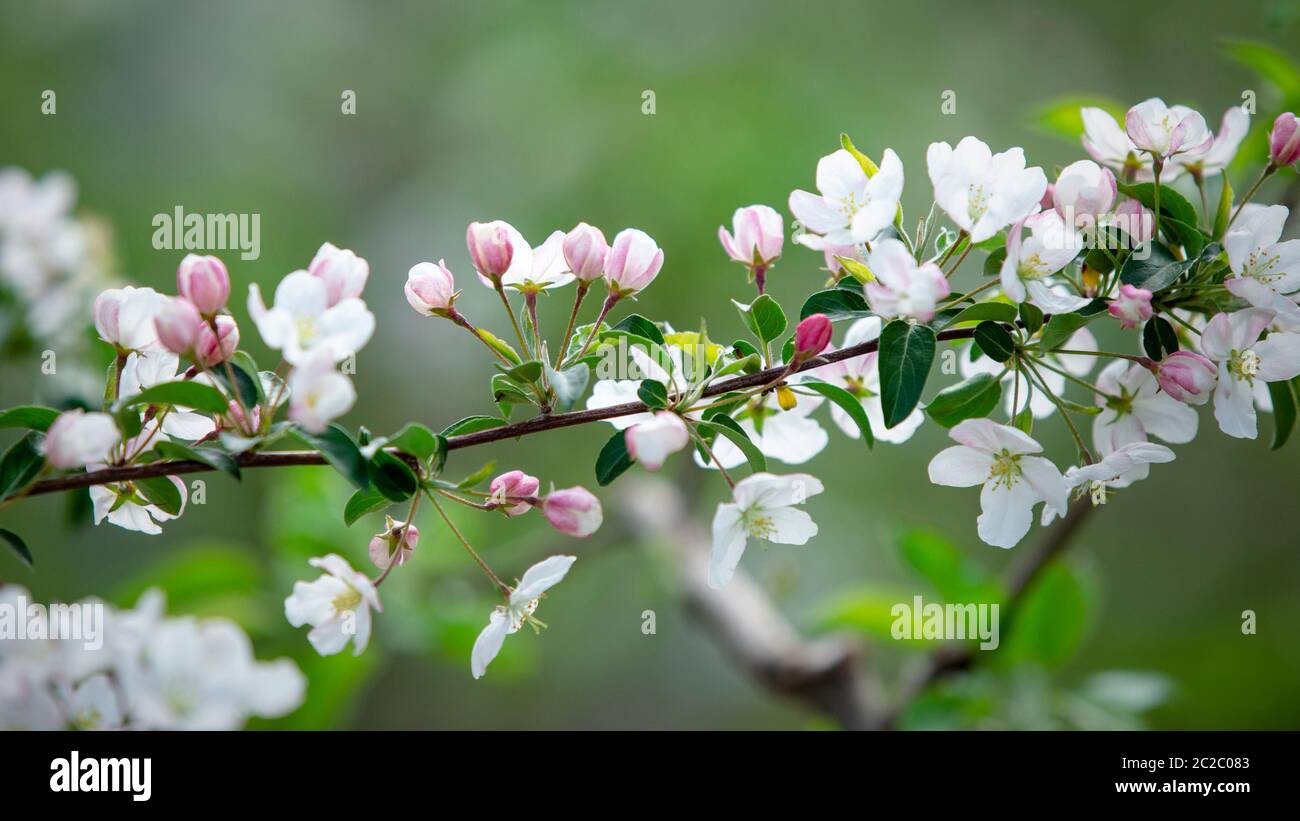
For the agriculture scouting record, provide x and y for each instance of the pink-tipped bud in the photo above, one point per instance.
(812, 336)
(1284, 140)
(397, 538)
(585, 250)
(204, 282)
(509, 488)
(343, 272)
(1135, 220)
(490, 248)
(1187, 377)
(634, 261)
(178, 324)
(430, 289)
(208, 350)
(574, 511)
(650, 443)
(235, 419)
(757, 238)
(1133, 305)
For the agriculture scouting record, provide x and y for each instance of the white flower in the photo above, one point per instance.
(609, 392)
(146, 369)
(302, 319)
(652, 442)
(77, 438)
(1107, 143)
(123, 505)
(94, 705)
(1134, 410)
(1085, 190)
(343, 272)
(1215, 157)
(508, 618)
(999, 458)
(981, 191)
(1040, 404)
(318, 393)
(851, 208)
(124, 317)
(1107, 473)
(902, 288)
(1164, 131)
(1051, 245)
(762, 507)
(860, 376)
(1267, 270)
(336, 605)
(548, 268)
(1232, 340)
(790, 436)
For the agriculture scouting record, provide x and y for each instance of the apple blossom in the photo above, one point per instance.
(1100, 476)
(343, 272)
(519, 608)
(1284, 140)
(1187, 376)
(1001, 460)
(547, 268)
(144, 370)
(395, 544)
(981, 191)
(430, 289)
(124, 317)
(318, 393)
(177, 324)
(1134, 409)
(811, 336)
(1164, 132)
(1266, 269)
(608, 392)
(1215, 157)
(585, 250)
(759, 233)
(211, 349)
(1132, 306)
(77, 438)
(574, 511)
(1107, 143)
(652, 442)
(204, 281)
(850, 207)
(508, 490)
(492, 247)
(122, 505)
(762, 507)
(1233, 341)
(337, 606)
(860, 376)
(1136, 220)
(634, 261)
(901, 287)
(1083, 188)
(302, 319)
(1050, 246)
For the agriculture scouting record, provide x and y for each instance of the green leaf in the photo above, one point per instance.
(1270, 63)
(848, 403)
(763, 317)
(1158, 338)
(992, 311)
(1059, 329)
(969, 399)
(128, 422)
(1061, 117)
(653, 393)
(613, 459)
(529, 373)
(506, 392)
(32, 417)
(837, 304)
(938, 561)
(186, 394)
(1157, 272)
(392, 477)
(361, 503)
(1024, 420)
(20, 547)
(499, 346)
(1224, 210)
(638, 325)
(211, 457)
(995, 341)
(1049, 622)
(1178, 217)
(477, 476)
(858, 272)
(21, 464)
(472, 424)
(1031, 316)
(724, 425)
(341, 451)
(1284, 411)
(569, 384)
(415, 439)
(247, 386)
(161, 492)
(906, 353)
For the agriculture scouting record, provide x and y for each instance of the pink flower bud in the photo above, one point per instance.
(430, 289)
(343, 272)
(1135, 220)
(574, 511)
(650, 443)
(1284, 141)
(236, 419)
(1133, 305)
(77, 438)
(759, 235)
(490, 248)
(1187, 377)
(585, 250)
(178, 324)
(398, 537)
(207, 351)
(204, 282)
(509, 487)
(1083, 189)
(633, 263)
(812, 336)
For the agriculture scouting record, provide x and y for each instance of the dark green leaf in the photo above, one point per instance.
(638, 325)
(247, 386)
(906, 353)
(211, 457)
(1048, 623)
(32, 417)
(969, 399)
(995, 341)
(726, 426)
(472, 424)
(128, 422)
(763, 317)
(1158, 338)
(21, 464)
(526, 374)
(837, 304)
(392, 477)
(848, 403)
(995, 311)
(361, 503)
(954, 577)
(1059, 329)
(186, 394)
(339, 449)
(613, 459)
(1284, 411)
(162, 493)
(477, 476)
(20, 547)
(1031, 317)
(416, 440)
(653, 393)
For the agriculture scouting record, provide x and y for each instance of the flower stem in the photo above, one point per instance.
(1263, 175)
(510, 311)
(604, 312)
(1076, 380)
(459, 319)
(487, 571)
(699, 440)
(401, 540)
(1074, 431)
(583, 287)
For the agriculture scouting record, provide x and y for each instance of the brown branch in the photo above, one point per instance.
(537, 424)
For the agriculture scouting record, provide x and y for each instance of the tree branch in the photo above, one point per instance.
(538, 424)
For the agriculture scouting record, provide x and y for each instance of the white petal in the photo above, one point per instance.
(488, 643)
(729, 539)
(791, 526)
(960, 466)
(1006, 513)
(541, 577)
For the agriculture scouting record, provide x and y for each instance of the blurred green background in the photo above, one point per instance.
(532, 112)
